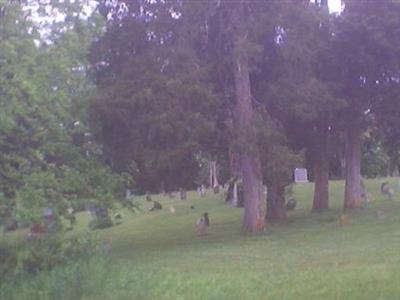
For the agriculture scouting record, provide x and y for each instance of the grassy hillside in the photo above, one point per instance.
(157, 255)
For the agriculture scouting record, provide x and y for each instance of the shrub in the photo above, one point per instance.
(79, 278)
(43, 253)
(100, 223)
(8, 259)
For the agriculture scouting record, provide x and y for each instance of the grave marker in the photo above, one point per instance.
(300, 175)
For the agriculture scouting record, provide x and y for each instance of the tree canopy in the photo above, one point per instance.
(145, 94)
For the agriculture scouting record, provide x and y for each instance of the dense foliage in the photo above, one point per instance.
(143, 95)
(48, 156)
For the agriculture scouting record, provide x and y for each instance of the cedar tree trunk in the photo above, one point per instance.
(352, 197)
(321, 168)
(276, 210)
(254, 202)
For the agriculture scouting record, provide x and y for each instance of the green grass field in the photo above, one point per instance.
(157, 255)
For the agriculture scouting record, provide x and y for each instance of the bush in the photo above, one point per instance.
(100, 223)
(80, 278)
(52, 268)
(8, 260)
(43, 253)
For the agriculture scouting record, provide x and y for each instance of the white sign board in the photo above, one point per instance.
(300, 175)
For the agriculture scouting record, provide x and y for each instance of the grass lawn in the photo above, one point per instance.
(157, 255)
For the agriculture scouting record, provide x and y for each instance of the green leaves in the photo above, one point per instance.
(48, 157)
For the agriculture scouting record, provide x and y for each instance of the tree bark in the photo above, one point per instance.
(254, 202)
(352, 197)
(211, 175)
(235, 196)
(276, 210)
(321, 168)
(234, 165)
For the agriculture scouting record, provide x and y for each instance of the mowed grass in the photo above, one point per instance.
(157, 255)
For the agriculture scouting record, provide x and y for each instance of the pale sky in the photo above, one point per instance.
(335, 6)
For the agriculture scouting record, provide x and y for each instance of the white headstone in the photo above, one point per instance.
(300, 175)
(48, 212)
(203, 190)
(129, 195)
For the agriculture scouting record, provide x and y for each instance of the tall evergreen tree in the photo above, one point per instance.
(366, 47)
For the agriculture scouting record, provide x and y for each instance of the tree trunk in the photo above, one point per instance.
(235, 197)
(211, 175)
(321, 168)
(352, 197)
(215, 178)
(234, 165)
(276, 210)
(254, 202)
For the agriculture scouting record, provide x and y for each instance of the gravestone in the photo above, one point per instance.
(216, 189)
(156, 206)
(387, 190)
(100, 217)
(300, 175)
(182, 193)
(231, 194)
(365, 195)
(101, 212)
(202, 190)
(129, 195)
(344, 219)
(50, 220)
(70, 216)
(202, 224)
(291, 204)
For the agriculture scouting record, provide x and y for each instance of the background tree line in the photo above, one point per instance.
(150, 91)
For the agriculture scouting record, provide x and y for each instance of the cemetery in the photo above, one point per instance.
(156, 250)
(199, 149)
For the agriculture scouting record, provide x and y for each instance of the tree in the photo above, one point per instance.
(291, 80)
(43, 137)
(153, 109)
(243, 117)
(367, 52)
